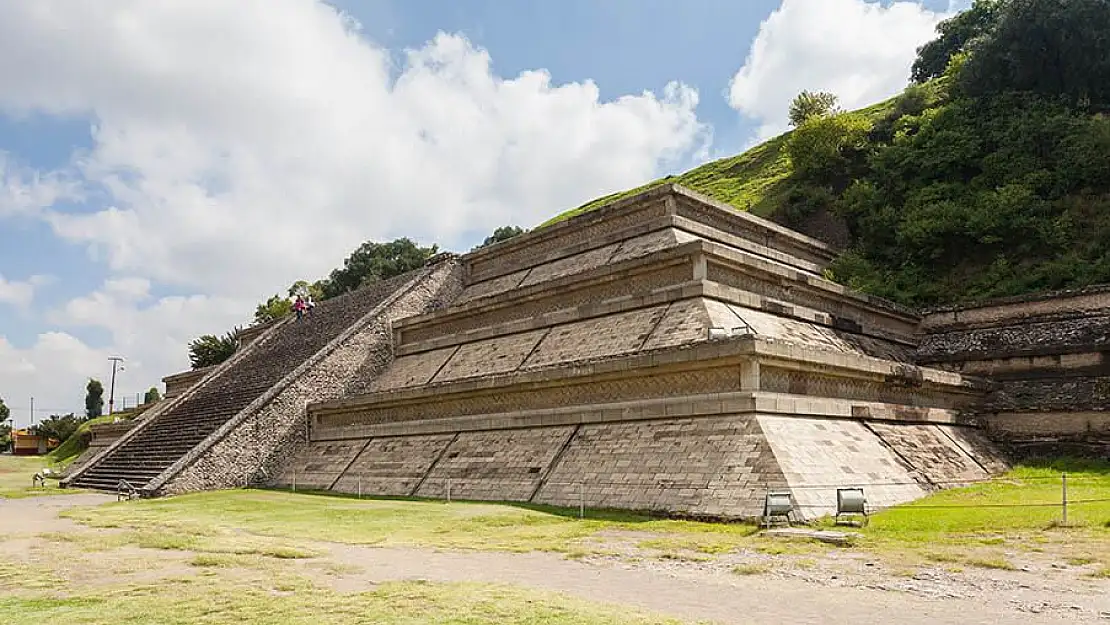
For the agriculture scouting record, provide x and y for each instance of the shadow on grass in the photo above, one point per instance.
(590, 514)
(1067, 464)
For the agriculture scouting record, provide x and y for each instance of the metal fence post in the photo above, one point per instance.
(360, 486)
(1064, 498)
(448, 490)
(581, 500)
(294, 480)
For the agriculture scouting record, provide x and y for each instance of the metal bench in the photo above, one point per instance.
(851, 502)
(777, 505)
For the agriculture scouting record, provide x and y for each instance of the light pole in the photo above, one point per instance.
(116, 360)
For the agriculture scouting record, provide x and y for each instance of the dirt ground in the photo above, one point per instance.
(844, 587)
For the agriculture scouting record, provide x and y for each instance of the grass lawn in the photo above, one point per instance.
(264, 598)
(16, 473)
(977, 525)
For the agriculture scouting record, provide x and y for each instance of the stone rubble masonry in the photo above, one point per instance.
(1048, 356)
(257, 444)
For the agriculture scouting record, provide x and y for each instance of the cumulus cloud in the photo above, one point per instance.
(236, 147)
(20, 293)
(858, 49)
(26, 191)
(256, 142)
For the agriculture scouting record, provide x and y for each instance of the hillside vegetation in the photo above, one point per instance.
(988, 176)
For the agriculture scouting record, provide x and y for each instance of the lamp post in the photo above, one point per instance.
(116, 360)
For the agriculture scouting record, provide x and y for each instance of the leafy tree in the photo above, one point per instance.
(5, 427)
(810, 104)
(376, 261)
(314, 289)
(1054, 48)
(828, 148)
(94, 399)
(152, 395)
(211, 350)
(955, 33)
(275, 308)
(57, 427)
(982, 197)
(504, 233)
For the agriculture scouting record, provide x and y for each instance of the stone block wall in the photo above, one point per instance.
(502, 465)
(257, 447)
(1048, 357)
(718, 467)
(394, 466)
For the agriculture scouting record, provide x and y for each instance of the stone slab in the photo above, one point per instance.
(318, 464)
(393, 466)
(931, 453)
(596, 338)
(412, 370)
(708, 466)
(500, 355)
(817, 456)
(501, 465)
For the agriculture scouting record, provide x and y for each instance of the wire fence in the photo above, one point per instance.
(599, 491)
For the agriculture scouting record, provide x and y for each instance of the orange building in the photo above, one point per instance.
(26, 444)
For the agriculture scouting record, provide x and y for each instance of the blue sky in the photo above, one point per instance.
(165, 165)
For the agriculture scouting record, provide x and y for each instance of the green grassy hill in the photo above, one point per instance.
(757, 180)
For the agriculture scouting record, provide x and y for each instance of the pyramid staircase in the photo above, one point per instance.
(161, 440)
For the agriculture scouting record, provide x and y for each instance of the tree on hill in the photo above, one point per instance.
(152, 395)
(57, 427)
(5, 427)
(809, 104)
(275, 308)
(955, 33)
(1053, 48)
(376, 261)
(94, 399)
(504, 233)
(1002, 185)
(209, 349)
(315, 290)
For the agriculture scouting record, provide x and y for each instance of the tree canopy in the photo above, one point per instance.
(94, 399)
(954, 34)
(1059, 49)
(277, 307)
(504, 233)
(57, 427)
(5, 412)
(152, 395)
(991, 178)
(376, 261)
(209, 350)
(810, 104)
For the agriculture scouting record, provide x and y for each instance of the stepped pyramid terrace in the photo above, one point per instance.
(663, 353)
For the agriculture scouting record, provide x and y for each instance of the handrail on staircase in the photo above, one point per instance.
(125, 489)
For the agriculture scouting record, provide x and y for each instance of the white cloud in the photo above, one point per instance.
(21, 293)
(859, 50)
(26, 191)
(236, 147)
(253, 143)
